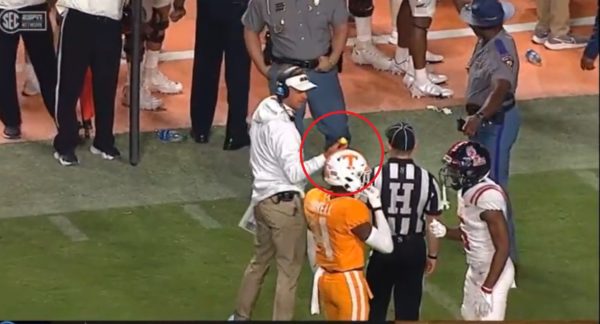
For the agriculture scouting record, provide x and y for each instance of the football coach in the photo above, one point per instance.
(277, 194)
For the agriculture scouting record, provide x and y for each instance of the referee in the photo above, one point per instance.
(410, 200)
(90, 36)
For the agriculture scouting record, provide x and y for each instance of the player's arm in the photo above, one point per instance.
(380, 237)
(499, 232)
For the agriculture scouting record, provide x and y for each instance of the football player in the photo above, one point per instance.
(482, 207)
(339, 230)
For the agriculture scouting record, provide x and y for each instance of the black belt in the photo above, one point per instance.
(406, 238)
(284, 196)
(305, 64)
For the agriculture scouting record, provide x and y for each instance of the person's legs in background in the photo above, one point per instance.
(147, 100)
(159, 23)
(552, 29)
(364, 50)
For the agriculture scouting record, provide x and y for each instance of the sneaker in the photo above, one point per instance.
(107, 154)
(66, 159)
(428, 89)
(406, 67)
(156, 81)
(147, 100)
(540, 36)
(367, 53)
(12, 132)
(565, 42)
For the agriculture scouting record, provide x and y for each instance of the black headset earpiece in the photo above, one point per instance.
(282, 91)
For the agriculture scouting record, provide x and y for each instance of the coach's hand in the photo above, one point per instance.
(337, 146)
(437, 229)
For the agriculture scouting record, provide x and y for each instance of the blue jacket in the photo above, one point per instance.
(591, 50)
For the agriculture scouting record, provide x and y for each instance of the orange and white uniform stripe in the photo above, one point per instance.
(339, 284)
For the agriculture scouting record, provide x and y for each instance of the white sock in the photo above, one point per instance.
(363, 28)
(401, 54)
(151, 59)
(421, 76)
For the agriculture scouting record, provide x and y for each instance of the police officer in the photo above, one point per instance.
(493, 117)
(90, 37)
(299, 34)
(219, 30)
(39, 45)
(410, 199)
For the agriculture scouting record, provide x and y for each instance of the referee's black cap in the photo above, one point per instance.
(401, 136)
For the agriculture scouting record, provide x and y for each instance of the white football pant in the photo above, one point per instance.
(474, 279)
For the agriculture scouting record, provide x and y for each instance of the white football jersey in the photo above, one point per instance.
(477, 241)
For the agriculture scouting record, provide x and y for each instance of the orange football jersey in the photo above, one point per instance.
(331, 220)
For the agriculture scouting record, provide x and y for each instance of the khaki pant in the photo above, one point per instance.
(553, 16)
(280, 235)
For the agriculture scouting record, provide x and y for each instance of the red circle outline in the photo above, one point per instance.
(381, 158)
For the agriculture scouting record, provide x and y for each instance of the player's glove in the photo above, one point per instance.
(372, 196)
(437, 229)
(483, 302)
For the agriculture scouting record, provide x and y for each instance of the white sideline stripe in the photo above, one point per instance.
(68, 229)
(442, 299)
(383, 39)
(589, 178)
(198, 213)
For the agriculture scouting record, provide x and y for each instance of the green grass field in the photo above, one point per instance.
(160, 241)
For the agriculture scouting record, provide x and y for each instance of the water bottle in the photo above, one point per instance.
(533, 57)
(169, 135)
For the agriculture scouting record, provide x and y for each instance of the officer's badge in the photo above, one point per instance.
(508, 60)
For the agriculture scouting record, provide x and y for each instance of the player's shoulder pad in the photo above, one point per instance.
(505, 56)
(491, 197)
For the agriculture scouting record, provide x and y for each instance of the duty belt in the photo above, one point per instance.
(305, 64)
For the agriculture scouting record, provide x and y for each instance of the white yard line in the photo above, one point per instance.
(68, 229)
(198, 213)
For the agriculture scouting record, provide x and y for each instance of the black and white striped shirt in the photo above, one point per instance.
(408, 192)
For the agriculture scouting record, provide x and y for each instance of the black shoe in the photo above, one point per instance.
(107, 154)
(12, 132)
(199, 138)
(66, 159)
(232, 144)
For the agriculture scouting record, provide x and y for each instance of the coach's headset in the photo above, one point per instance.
(282, 90)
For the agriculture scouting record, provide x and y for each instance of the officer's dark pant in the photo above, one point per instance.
(219, 30)
(402, 271)
(40, 46)
(94, 41)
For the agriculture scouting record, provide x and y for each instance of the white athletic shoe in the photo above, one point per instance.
(158, 82)
(406, 67)
(367, 53)
(147, 100)
(428, 89)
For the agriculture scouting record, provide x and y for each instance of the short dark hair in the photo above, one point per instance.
(401, 136)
